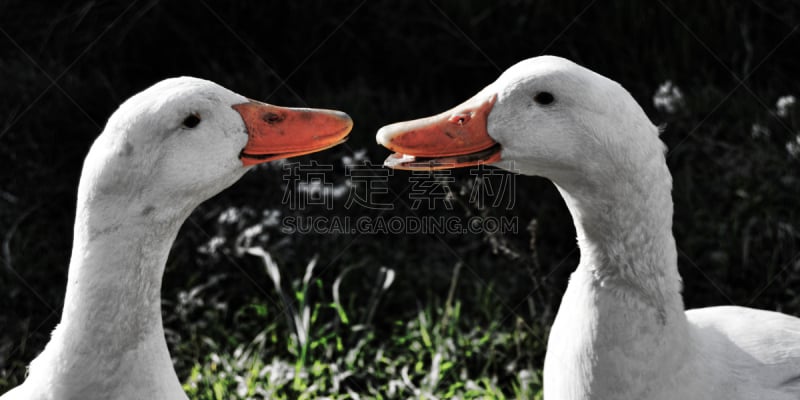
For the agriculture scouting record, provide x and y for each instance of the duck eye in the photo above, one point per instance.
(544, 98)
(191, 121)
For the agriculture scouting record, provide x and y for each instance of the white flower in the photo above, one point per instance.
(212, 246)
(758, 131)
(793, 147)
(318, 189)
(784, 105)
(231, 215)
(668, 98)
(312, 187)
(271, 218)
(358, 156)
(340, 191)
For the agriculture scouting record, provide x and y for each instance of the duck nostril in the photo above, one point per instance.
(272, 118)
(460, 119)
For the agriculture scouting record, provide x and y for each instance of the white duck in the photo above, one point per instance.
(162, 153)
(621, 331)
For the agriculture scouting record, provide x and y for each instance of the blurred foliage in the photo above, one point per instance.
(466, 315)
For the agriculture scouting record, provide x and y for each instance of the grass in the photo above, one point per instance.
(391, 316)
(438, 352)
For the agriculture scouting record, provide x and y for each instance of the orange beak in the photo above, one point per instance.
(276, 132)
(455, 138)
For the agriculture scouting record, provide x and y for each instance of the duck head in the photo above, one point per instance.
(185, 139)
(544, 116)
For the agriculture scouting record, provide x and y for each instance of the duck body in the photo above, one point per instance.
(621, 331)
(719, 355)
(162, 153)
(748, 362)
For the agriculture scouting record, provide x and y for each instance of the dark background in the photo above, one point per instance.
(64, 69)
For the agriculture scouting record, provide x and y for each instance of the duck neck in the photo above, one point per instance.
(623, 302)
(111, 325)
(624, 232)
(115, 273)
